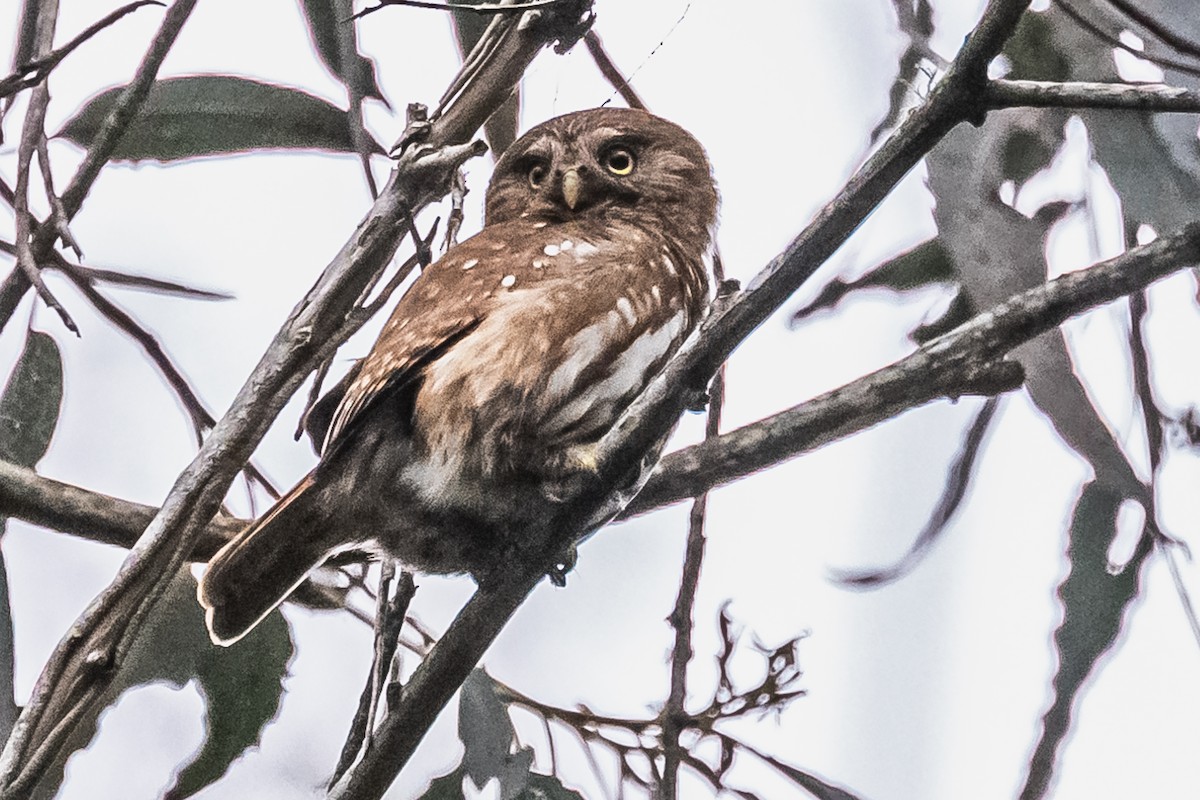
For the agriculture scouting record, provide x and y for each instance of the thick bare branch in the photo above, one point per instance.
(1083, 94)
(83, 663)
(936, 370)
(27, 496)
(621, 451)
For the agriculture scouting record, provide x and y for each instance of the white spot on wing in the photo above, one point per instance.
(625, 309)
(654, 290)
(470, 263)
(508, 281)
(551, 250)
(669, 264)
(566, 245)
(538, 263)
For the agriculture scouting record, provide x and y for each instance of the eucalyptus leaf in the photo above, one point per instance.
(540, 787)
(241, 684)
(207, 115)
(926, 264)
(486, 732)
(31, 402)
(327, 21)
(1094, 603)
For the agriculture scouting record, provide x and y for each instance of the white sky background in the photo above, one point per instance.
(929, 688)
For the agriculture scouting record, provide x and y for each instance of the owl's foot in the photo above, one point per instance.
(567, 470)
(558, 573)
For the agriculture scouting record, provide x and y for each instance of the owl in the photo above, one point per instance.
(475, 413)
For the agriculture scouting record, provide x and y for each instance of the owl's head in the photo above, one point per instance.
(600, 162)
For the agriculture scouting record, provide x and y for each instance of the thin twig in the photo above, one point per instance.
(610, 72)
(482, 8)
(58, 214)
(674, 714)
(958, 478)
(347, 43)
(37, 70)
(32, 132)
(124, 110)
(202, 420)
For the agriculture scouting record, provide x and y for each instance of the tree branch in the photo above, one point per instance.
(935, 370)
(123, 112)
(621, 451)
(1084, 94)
(27, 496)
(84, 662)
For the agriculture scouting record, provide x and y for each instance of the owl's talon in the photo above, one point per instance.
(698, 400)
(558, 573)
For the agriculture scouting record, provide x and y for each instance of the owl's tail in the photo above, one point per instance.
(260, 567)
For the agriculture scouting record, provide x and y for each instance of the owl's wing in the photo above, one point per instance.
(450, 298)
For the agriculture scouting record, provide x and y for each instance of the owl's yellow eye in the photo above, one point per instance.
(619, 161)
(537, 174)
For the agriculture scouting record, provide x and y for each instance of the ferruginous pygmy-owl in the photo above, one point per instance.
(503, 363)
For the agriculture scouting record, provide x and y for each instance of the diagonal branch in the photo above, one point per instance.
(82, 666)
(934, 371)
(621, 451)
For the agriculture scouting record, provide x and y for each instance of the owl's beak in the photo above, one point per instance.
(571, 186)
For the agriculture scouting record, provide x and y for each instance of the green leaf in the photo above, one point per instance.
(539, 787)
(485, 729)
(327, 21)
(242, 684)
(243, 687)
(206, 115)
(925, 264)
(1094, 603)
(31, 402)
(501, 126)
(1034, 52)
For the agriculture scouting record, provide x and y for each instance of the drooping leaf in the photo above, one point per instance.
(242, 684)
(1094, 602)
(207, 115)
(1153, 160)
(488, 738)
(915, 22)
(29, 411)
(31, 402)
(540, 787)
(998, 252)
(501, 126)
(328, 20)
(925, 264)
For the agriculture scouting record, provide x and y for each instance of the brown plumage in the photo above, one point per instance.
(473, 414)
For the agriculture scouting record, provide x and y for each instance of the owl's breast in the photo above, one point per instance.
(551, 366)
